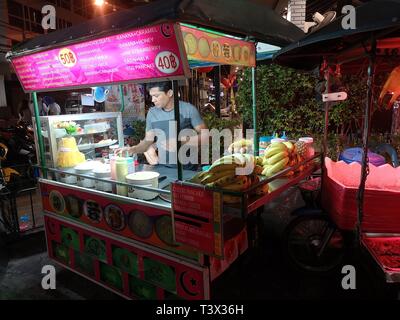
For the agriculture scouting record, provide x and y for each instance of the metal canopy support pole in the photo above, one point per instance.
(178, 126)
(253, 93)
(39, 134)
(217, 86)
(121, 94)
(366, 133)
(326, 107)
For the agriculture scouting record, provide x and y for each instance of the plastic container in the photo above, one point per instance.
(103, 172)
(309, 146)
(86, 168)
(96, 127)
(131, 165)
(277, 140)
(263, 143)
(144, 179)
(355, 155)
(121, 168)
(112, 149)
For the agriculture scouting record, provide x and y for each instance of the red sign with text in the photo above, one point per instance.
(197, 218)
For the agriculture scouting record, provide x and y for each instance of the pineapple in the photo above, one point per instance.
(301, 148)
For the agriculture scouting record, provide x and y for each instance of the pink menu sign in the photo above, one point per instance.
(140, 54)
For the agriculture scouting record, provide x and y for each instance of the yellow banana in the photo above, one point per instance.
(259, 160)
(277, 157)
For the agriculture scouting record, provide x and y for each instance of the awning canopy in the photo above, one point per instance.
(239, 18)
(378, 18)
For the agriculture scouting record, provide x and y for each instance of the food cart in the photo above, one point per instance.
(359, 198)
(141, 247)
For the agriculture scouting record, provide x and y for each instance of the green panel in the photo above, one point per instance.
(141, 289)
(61, 252)
(70, 238)
(160, 274)
(95, 247)
(84, 263)
(125, 260)
(111, 276)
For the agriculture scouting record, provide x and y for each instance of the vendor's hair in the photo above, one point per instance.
(163, 86)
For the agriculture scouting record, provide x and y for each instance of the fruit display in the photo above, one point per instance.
(70, 127)
(280, 155)
(222, 174)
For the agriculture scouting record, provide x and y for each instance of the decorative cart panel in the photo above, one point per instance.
(128, 270)
(143, 223)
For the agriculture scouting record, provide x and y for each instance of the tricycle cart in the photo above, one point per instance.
(358, 198)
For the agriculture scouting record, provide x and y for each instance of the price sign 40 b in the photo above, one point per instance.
(167, 62)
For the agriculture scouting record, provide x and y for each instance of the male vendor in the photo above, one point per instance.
(160, 129)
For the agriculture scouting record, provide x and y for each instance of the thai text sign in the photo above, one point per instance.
(197, 218)
(204, 46)
(139, 54)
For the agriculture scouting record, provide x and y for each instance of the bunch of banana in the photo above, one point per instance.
(276, 158)
(241, 146)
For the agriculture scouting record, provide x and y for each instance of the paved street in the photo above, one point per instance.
(262, 274)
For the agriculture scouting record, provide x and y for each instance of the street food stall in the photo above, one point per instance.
(114, 222)
(359, 197)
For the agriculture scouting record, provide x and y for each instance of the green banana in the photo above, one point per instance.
(198, 176)
(259, 160)
(222, 167)
(214, 176)
(279, 165)
(275, 148)
(277, 157)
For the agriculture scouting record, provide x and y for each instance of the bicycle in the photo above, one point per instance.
(318, 238)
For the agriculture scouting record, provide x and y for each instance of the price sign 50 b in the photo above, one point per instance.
(67, 57)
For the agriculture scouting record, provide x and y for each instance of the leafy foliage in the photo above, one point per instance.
(286, 101)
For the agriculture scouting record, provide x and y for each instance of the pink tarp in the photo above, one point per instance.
(381, 198)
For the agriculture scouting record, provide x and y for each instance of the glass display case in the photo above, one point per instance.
(90, 134)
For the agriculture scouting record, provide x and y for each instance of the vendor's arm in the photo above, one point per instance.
(144, 145)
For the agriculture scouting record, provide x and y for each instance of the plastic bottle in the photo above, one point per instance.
(24, 223)
(121, 167)
(284, 136)
(263, 144)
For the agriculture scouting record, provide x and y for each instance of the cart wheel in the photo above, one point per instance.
(304, 239)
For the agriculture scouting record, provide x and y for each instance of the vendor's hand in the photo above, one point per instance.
(122, 151)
